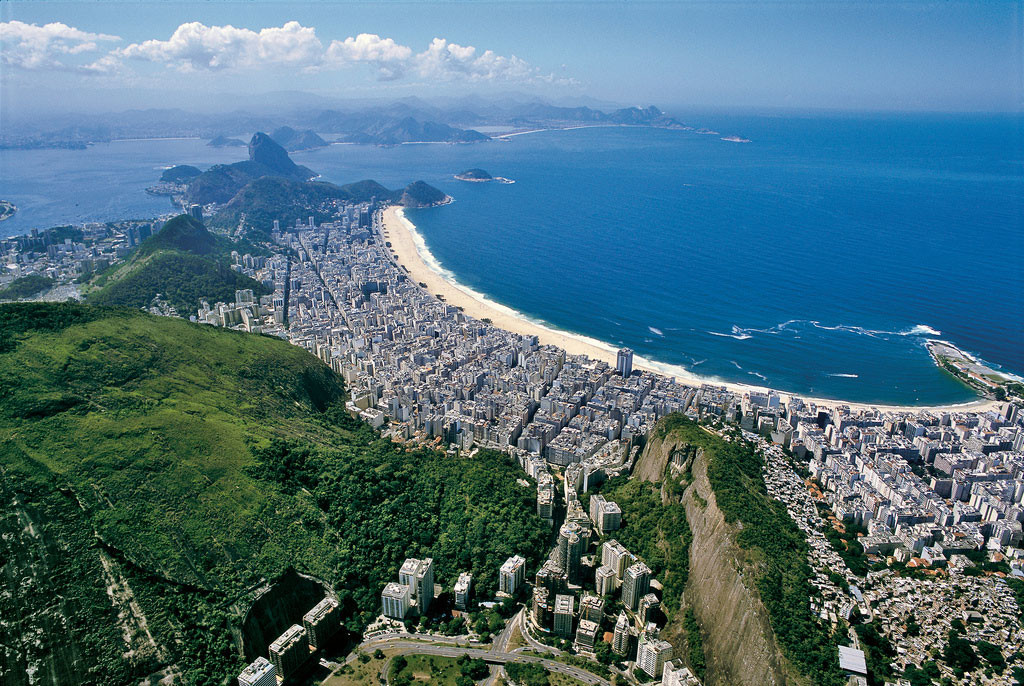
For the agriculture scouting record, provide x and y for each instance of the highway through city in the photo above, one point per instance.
(402, 645)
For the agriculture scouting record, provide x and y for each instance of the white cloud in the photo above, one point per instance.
(390, 58)
(447, 61)
(194, 46)
(30, 46)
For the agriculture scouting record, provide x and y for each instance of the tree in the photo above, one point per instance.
(959, 654)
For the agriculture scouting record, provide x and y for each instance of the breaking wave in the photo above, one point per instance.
(792, 325)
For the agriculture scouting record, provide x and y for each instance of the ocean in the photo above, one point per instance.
(816, 258)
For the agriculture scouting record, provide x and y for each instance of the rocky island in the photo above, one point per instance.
(7, 209)
(295, 141)
(480, 176)
(225, 142)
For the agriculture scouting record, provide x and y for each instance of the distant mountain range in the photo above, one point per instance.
(405, 121)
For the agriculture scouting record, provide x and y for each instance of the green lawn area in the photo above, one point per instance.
(430, 669)
(357, 674)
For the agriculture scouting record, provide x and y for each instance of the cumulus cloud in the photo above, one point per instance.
(30, 46)
(447, 61)
(195, 46)
(390, 58)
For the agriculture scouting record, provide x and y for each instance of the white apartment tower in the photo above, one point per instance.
(462, 588)
(260, 673)
(652, 654)
(620, 639)
(512, 574)
(418, 575)
(395, 600)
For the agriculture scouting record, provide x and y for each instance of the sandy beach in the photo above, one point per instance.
(411, 253)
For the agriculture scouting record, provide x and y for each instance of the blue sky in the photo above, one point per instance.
(836, 55)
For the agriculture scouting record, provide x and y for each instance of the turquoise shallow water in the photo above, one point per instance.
(815, 259)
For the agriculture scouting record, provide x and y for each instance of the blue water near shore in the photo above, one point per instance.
(816, 258)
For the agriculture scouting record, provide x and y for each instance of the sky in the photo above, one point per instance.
(821, 54)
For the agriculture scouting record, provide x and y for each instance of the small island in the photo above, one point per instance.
(480, 176)
(7, 209)
(225, 142)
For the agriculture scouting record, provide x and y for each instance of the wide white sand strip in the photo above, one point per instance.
(409, 250)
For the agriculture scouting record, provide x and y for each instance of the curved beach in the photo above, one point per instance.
(410, 251)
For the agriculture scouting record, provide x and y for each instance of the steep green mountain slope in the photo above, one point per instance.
(749, 579)
(262, 201)
(25, 287)
(154, 472)
(183, 262)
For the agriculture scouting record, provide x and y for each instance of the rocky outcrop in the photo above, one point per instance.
(739, 645)
(278, 605)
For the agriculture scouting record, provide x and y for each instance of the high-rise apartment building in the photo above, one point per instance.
(396, 600)
(321, 622)
(635, 584)
(261, 672)
(462, 590)
(564, 610)
(652, 654)
(512, 574)
(289, 651)
(624, 362)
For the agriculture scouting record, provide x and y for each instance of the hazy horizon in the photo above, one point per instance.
(213, 57)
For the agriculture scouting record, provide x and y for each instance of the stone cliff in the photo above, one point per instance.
(739, 646)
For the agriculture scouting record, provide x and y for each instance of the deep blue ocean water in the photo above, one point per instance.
(816, 258)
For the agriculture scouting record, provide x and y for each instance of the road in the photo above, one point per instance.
(403, 646)
(534, 644)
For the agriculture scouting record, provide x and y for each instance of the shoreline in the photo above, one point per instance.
(410, 251)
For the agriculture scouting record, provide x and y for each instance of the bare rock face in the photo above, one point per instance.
(739, 644)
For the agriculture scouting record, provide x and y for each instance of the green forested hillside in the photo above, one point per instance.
(183, 263)
(152, 472)
(179, 278)
(25, 287)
